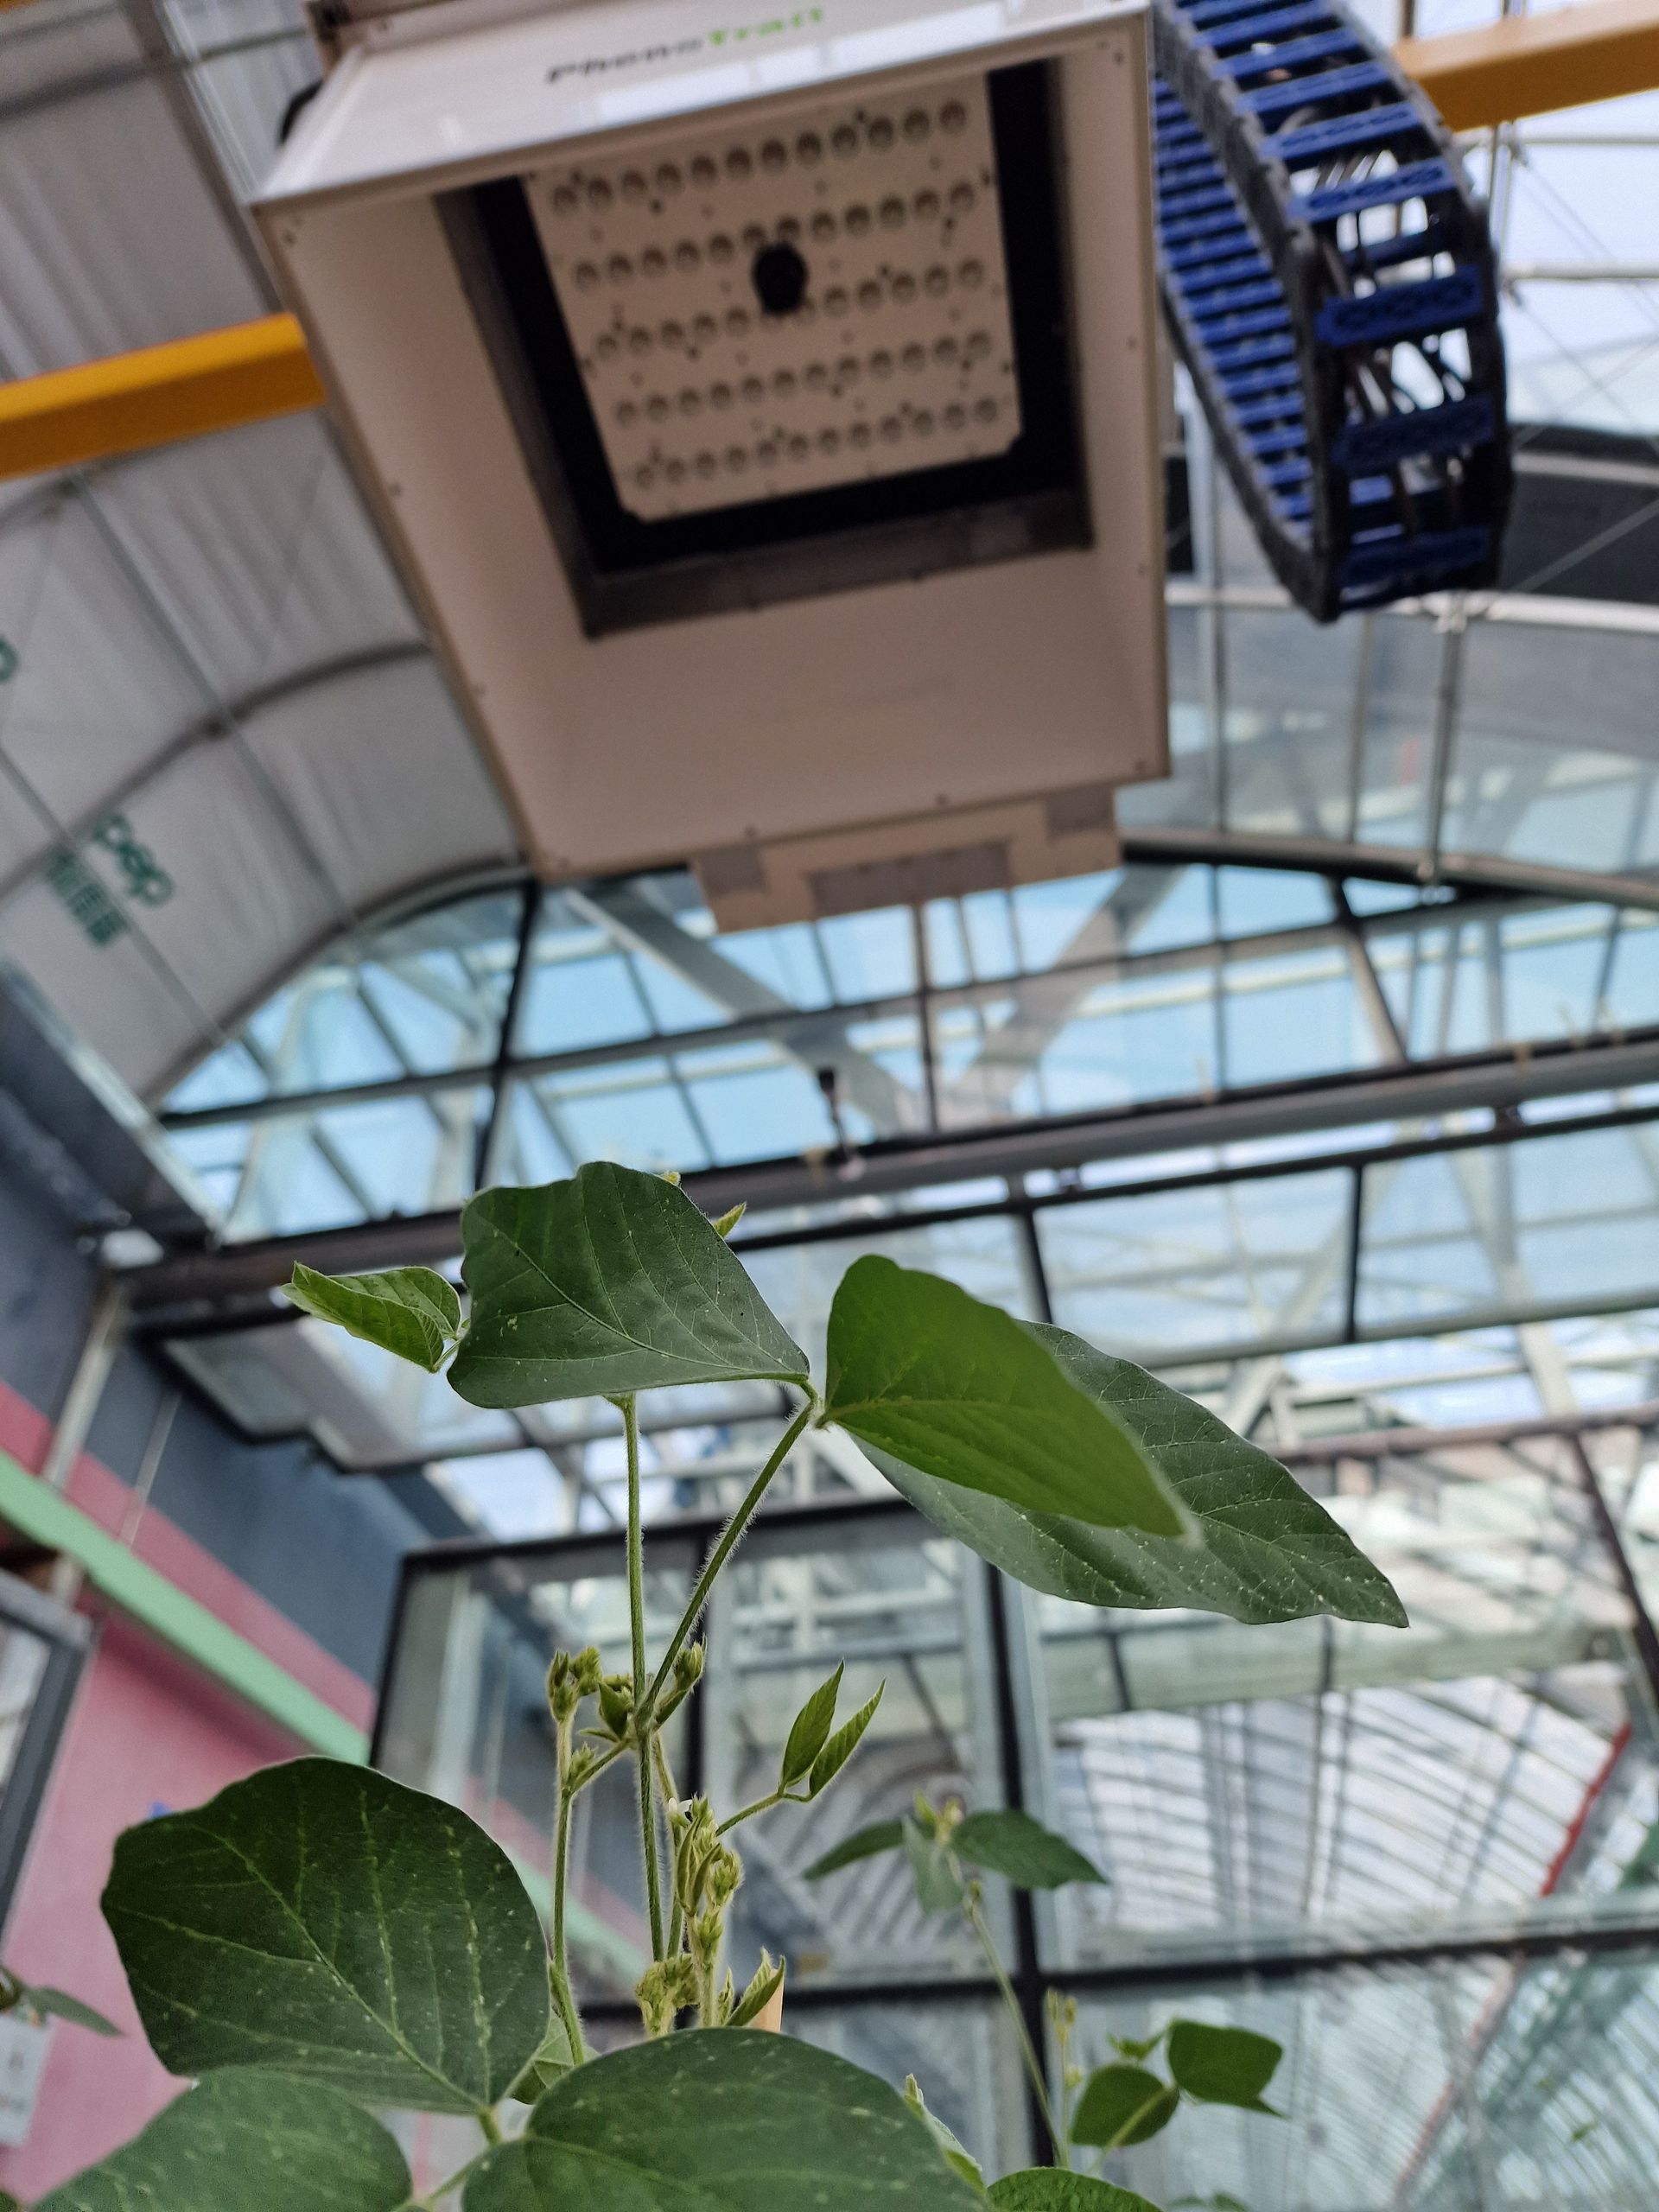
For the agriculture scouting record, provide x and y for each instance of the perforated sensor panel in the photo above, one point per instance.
(757, 313)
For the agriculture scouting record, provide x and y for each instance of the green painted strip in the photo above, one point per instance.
(188, 1628)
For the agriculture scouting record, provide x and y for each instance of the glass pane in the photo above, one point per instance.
(901, 1609)
(1560, 1219)
(1481, 2085)
(1496, 1762)
(1157, 1276)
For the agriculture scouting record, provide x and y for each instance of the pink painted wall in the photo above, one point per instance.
(148, 1731)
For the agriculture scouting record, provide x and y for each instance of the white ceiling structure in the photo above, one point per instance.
(224, 745)
(207, 642)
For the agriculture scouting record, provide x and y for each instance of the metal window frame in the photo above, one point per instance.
(1213, 1961)
(68, 1637)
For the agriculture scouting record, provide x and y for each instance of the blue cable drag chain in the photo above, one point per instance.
(1329, 282)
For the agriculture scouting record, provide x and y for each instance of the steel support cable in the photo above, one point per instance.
(1331, 284)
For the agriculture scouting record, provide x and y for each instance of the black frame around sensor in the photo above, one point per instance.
(625, 572)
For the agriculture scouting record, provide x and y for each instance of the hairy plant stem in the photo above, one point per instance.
(1028, 2052)
(561, 1990)
(670, 1796)
(725, 1545)
(642, 1710)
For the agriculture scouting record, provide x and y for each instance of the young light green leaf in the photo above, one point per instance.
(938, 1879)
(811, 1726)
(959, 2160)
(1022, 1851)
(863, 1843)
(1222, 2066)
(841, 1745)
(321, 1920)
(410, 1311)
(58, 2004)
(766, 1981)
(555, 2058)
(1122, 2105)
(962, 1393)
(248, 2143)
(1046, 2189)
(607, 1283)
(1269, 1551)
(724, 1223)
(737, 2119)
(1137, 2047)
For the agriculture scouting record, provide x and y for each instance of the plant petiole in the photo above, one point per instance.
(1028, 2052)
(729, 1537)
(642, 1709)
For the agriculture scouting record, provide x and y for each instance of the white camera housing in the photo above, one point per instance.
(767, 420)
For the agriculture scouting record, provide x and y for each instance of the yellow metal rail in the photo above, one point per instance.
(1534, 65)
(158, 394)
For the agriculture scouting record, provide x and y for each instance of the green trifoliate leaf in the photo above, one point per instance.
(57, 2004)
(734, 2119)
(248, 2143)
(607, 1283)
(811, 1726)
(1269, 1552)
(324, 1921)
(1045, 2188)
(939, 1878)
(863, 1843)
(410, 1311)
(964, 1395)
(1222, 2066)
(1122, 2105)
(841, 1745)
(959, 2160)
(1022, 1851)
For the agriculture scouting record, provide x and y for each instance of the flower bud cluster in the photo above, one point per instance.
(571, 1677)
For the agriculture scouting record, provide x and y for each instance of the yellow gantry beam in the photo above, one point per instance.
(156, 395)
(1533, 65)
(1515, 66)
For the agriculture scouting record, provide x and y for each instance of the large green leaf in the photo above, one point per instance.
(1122, 2105)
(863, 1843)
(410, 1311)
(1222, 2066)
(1022, 1851)
(1269, 1551)
(1045, 2188)
(323, 1920)
(608, 1283)
(720, 2120)
(964, 1394)
(248, 2143)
